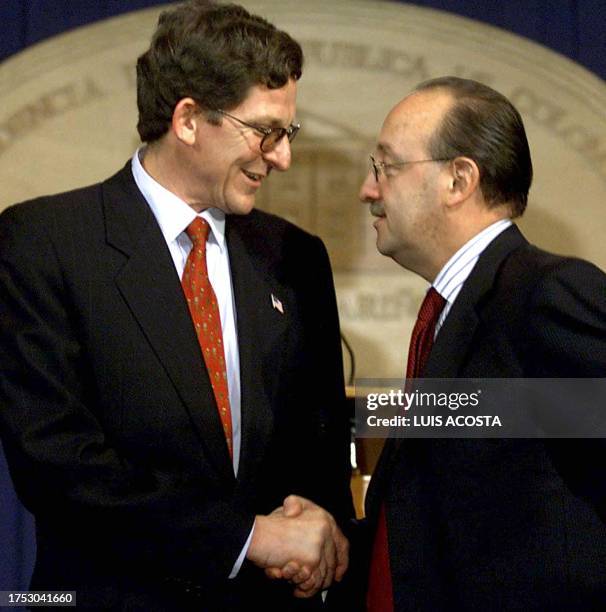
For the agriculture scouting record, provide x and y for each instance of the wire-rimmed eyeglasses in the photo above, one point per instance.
(271, 136)
(379, 167)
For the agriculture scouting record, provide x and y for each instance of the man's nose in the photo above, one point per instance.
(369, 191)
(280, 156)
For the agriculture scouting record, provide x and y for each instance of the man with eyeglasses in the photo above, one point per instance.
(172, 401)
(483, 524)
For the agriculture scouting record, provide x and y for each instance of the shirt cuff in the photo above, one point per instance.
(238, 564)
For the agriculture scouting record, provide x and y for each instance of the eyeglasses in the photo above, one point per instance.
(271, 135)
(378, 167)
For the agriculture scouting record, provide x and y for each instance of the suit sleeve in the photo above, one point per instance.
(568, 320)
(64, 465)
(567, 328)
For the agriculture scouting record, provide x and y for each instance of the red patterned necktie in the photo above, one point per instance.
(423, 332)
(380, 588)
(204, 311)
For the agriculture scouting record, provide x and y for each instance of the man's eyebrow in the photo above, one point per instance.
(384, 148)
(267, 121)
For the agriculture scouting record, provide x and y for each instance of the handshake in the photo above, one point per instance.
(300, 542)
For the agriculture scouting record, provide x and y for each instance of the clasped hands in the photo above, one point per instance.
(300, 542)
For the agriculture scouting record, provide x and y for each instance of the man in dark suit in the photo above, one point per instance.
(171, 366)
(485, 524)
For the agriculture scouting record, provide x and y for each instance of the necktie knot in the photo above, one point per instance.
(198, 231)
(431, 307)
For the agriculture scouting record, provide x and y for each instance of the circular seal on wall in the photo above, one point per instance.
(68, 118)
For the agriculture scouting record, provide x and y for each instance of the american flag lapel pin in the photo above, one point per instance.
(277, 304)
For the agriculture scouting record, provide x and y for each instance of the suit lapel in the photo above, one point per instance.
(455, 338)
(256, 324)
(150, 286)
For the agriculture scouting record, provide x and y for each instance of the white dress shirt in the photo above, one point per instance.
(173, 216)
(449, 281)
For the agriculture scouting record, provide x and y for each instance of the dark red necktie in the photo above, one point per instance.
(423, 332)
(204, 312)
(380, 588)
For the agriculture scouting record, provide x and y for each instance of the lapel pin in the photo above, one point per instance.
(277, 304)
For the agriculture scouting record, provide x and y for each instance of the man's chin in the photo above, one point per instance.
(242, 207)
(383, 250)
(383, 246)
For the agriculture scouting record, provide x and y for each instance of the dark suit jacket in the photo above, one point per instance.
(509, 524)
(107, 415)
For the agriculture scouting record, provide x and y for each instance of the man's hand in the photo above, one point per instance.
(300, 542)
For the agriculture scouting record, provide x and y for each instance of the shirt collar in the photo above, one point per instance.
(171, 212)
(462, 262)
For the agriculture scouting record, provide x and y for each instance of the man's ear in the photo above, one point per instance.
(186, 118)
(464, 180)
